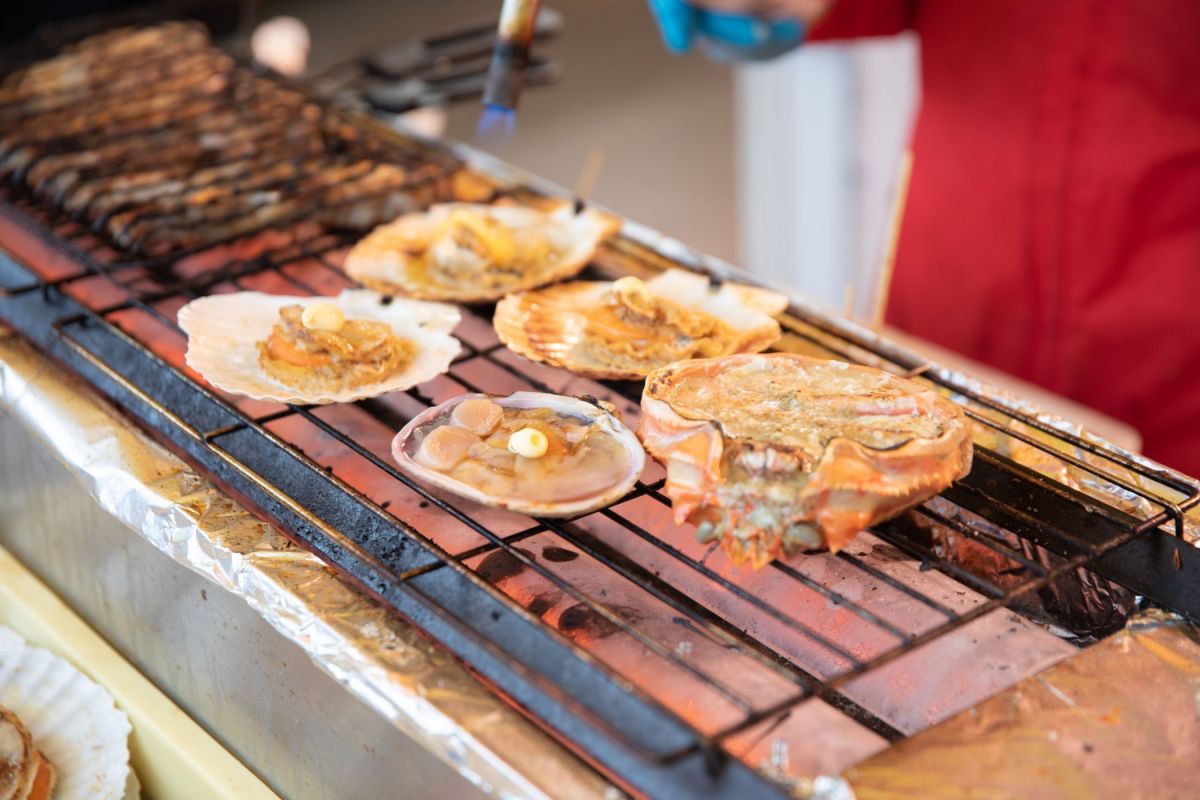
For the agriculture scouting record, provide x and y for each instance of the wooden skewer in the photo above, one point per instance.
(884, 280)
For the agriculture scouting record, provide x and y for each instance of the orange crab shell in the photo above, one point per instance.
(849, 485)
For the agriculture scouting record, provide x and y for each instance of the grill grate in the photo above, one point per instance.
(566, 631)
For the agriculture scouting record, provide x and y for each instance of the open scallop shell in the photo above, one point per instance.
(408, 440)
(550, 325)
(223, 332)
(73, 721)
(385, 260)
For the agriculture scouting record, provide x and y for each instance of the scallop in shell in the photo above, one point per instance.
(24, 770)
(225, 332)
(773, 453)
(629, 328)
(73, 721)
(470, 253)
(545, 455)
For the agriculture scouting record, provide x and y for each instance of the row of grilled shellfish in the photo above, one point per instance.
(720, 481)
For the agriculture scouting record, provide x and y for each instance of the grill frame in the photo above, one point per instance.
(543, 673)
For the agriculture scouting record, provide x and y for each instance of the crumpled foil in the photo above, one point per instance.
(1119, 720)
(374, 654)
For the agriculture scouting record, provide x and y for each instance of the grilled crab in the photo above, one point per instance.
(775, 453)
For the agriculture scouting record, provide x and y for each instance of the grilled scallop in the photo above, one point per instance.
(540, 454)
(473, 253)
(317, 349)
(629, 328)
(776, 453)
(25, 774)
(61, 736)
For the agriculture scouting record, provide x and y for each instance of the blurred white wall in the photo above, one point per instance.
(821, 135)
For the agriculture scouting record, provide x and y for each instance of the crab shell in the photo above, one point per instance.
(597, 413)
(381, 262)
(223, 331)
(811, 498)
(549, 325)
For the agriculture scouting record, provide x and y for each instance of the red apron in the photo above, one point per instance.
(1052, 226)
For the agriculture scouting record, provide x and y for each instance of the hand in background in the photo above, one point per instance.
(737, 28)
(807, 11)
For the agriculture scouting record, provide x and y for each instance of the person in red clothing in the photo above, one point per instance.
(1052, 223)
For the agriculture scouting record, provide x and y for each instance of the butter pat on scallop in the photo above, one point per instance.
(529, 443)
(323, 317)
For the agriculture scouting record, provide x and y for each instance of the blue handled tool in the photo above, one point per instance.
(725, 36)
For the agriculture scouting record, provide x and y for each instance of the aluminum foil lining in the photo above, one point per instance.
(374, 654)
(1121, 719)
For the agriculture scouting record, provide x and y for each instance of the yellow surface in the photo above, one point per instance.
(172, 756)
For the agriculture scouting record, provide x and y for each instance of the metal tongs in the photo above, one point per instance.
(434, 70)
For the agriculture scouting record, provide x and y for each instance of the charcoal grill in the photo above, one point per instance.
(566, 619)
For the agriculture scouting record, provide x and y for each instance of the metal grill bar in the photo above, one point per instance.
(733, 588)
(982, 538)
(899, 586)
(515, 552)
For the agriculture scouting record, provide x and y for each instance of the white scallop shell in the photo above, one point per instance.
(224, 329)
(609, 422)
(380, 262)
(73, 721)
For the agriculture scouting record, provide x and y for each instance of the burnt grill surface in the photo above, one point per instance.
(645, 650)
(164, 144)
